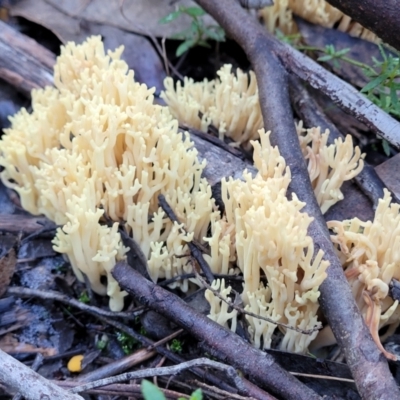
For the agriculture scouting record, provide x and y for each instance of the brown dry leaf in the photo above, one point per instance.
(7, 266)
(11, 345)
(139, 53)
(139, 16)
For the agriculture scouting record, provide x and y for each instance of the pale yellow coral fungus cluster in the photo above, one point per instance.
(231, 104)
(271, 238)
(370, 253)
(96, 144)
(329, 165)
(320, 12)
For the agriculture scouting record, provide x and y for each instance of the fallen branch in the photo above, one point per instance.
(160, 371)
(224, 344)
(17, 376)
(269, 59)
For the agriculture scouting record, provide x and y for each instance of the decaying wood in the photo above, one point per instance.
(269, 59)
(30, 384)
(380, 17)
(24, 63)
(226, 345)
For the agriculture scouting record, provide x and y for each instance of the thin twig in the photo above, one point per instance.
(118, 389)
(62, 298)
(250, 314)
(327, 377)
(182, 277)
(196, 253)
(173, 370)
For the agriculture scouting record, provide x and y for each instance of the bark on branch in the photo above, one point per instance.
(269, 59)
(30, 384)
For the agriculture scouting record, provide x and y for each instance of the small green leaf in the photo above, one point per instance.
(382, 51)
(196, 395)
(342, 52)
(203, 43)
(217, 34)
(194, 11)
(386, 147)
(393, 97)
(327, 57)
(151, 392)
(185, 46)
(375, 82)
(170, 17)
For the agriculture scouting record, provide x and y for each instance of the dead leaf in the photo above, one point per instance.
(139, 52)
(139, 16)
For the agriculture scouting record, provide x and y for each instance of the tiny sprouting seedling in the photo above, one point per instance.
(331, 54)
(101, 343)
(152, 392)
(198, 34)
(84, 297)
(384, 85)
(176, 346)
(383, 88)
(127, 342)
(384, 80)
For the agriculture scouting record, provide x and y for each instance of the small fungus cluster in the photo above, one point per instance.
(320, 12)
